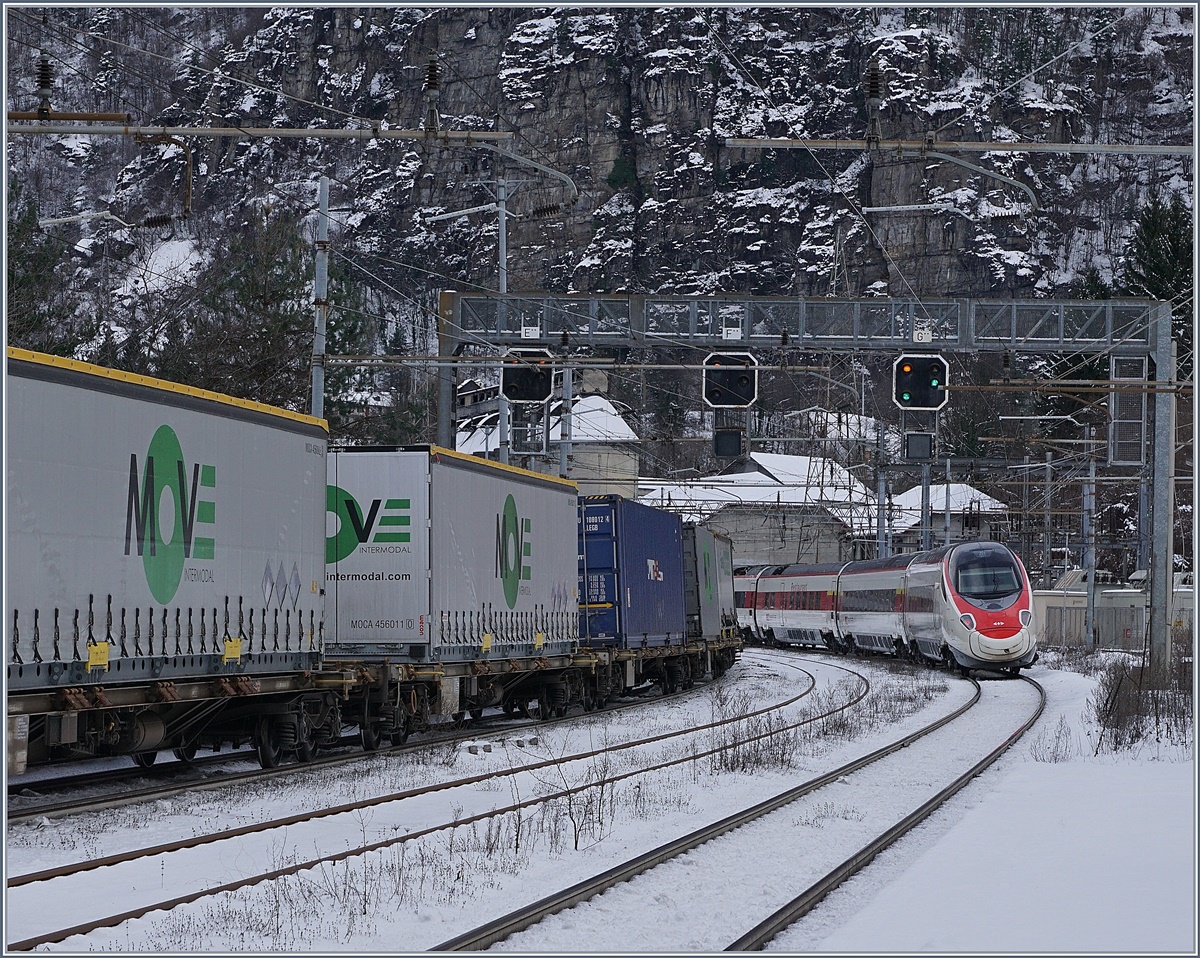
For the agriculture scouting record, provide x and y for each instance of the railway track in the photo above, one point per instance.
(120, 787)
(126, 875)
(761, 831)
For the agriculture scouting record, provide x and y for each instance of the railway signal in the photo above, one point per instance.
(730, 380)
(728, 443)
(919, 382)
(527, 375)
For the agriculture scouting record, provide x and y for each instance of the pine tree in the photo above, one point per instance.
(348, 331)
(253, 334)
(41, 303)
(1158, 265)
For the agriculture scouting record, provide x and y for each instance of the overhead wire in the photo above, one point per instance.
(254, 85)
(68, 65)
(1087, 38)
(1078, 359)
(234, 78)
(851, 204)
(157, 80)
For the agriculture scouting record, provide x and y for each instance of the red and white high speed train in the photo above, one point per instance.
(968, 605)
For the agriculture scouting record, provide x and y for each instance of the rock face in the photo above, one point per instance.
(635, 106)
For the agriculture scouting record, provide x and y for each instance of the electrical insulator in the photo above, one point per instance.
(45, 75)
(433, 118)
(154, 222)
(874, 82)
(45, 79)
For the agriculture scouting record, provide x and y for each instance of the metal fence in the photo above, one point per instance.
(1115, 628)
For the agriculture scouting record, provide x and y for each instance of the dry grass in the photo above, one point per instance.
(1134, 706)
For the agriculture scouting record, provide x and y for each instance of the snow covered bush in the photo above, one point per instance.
(1134, 705)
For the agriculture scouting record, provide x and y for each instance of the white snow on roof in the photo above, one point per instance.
(778, 480)
(831, 478)
(961, 496)
(907, 505)
(593, 419)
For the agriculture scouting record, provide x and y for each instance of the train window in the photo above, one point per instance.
(991, 579)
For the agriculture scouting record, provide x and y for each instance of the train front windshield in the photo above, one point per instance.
(985, 574)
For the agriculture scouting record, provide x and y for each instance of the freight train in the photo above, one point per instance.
(968, 605)
(190, 571)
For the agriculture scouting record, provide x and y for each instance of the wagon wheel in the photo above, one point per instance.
(306, 748)
(476, 714)
(186, 754)
(144, 759)
(542, 710)
(369, 736)
(399, 734)
(266, 743)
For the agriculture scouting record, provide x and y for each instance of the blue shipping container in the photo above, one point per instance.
(630, 574)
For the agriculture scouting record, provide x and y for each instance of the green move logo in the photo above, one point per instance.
(163, 551)
(512, 550)
(355, 526)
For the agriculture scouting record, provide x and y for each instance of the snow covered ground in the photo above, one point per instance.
(1089, 854)
(1054, 849)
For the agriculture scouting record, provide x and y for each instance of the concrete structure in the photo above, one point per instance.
(777, 508)
(604, 456)
(973, 515)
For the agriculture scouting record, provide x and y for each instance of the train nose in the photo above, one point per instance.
(999, 632)
(988, 644)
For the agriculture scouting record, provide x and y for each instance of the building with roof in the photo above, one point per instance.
(777, 508)
(957, 512)
(602, 453)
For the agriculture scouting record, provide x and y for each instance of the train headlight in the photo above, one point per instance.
(1025, 615)
(968, 620)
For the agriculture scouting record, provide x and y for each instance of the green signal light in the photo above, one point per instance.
(934, 382)
(906, 396)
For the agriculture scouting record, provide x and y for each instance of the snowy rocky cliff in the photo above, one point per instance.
(635, 105)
